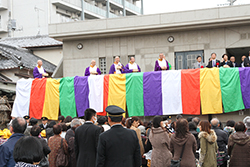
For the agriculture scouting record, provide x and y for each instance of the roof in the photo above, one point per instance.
(15, 57)
(31, 41)
(156, 23)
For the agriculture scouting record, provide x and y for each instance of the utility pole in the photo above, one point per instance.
(82, 14)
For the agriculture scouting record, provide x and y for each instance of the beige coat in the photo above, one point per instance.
(209, 149)
(161, 156)
(138, 133)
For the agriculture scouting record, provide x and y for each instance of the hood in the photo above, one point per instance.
(180, 141)
(211, 138)
(240, 138)
(157, 130)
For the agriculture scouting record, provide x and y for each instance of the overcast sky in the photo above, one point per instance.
(164, 6)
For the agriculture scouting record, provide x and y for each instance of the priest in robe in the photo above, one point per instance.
(39, 71)
(132, 66)
(161, 64)
(117, 67)
(92, 69)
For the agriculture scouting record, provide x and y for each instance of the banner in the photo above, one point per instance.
(245, 85)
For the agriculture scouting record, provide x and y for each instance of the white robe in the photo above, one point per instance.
(162, 63)
(41, 70)
(92, 69)
(116, 70)
(132, 66)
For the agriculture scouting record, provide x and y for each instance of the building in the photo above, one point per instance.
(14, 22)
(181, 36)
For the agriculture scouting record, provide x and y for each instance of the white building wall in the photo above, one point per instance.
(52, 55)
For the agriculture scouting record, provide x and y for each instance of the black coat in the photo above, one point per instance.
(246, 62)
(236, 64)
(118, 147)
(86, 140)
(210, 64)
(222, 138)
(229, 63)
(46, 149)
(42, 128)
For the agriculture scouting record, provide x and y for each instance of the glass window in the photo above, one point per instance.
(102, 62)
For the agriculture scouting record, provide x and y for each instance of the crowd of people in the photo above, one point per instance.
(161, 64)
(109, 141)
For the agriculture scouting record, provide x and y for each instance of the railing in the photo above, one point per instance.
(95, 9)
(128, 5)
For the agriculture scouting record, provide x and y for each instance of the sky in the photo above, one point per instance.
(165, 6)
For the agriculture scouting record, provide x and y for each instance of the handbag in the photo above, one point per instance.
(61, 158)
(177, 163)
(220, 157)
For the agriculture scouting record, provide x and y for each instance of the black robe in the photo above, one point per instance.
(118, 147)
(86, 140)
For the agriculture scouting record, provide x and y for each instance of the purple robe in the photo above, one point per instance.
(127, 70)
(158, 68)
(112, 69)
(36, 73)
(87, 73)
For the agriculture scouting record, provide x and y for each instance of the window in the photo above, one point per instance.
(129, 56)
(102, 62)
(185, 60)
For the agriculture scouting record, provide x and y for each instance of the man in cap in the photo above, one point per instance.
(27, 119)
(86, 140)
(44, 124)
(92, 69)
(118, 146)
(39, 71)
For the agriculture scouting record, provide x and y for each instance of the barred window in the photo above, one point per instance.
(102, 62)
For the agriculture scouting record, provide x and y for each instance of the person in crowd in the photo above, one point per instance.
(133, 124)
(160, 141)
(2, 139)
(61, 119)
(117, 67)
(198, 63)
(17, 127)
(39, 71)
(35, 131)
(49, 131)
(86, 139)
(67, 121)
(71, 132)
(55, 142)
(103, 121)
(32, 122)
(247, 61)
(222, 139)
(110, 151)
(167, 121)
(183, 141)
(242, 61)
(92, 69)
(161, 63)
(27, 119)
(44, 123)
(64, 130)
(239, 146)
(132, 66)
(189, 119)
(178, 117)
(196, 120)
(246, 121)
(28, 152)
(213, 62)
(229, 128)
(124, 122)
(192, 129)
(208, 145)
(235, 64)
(225, 62)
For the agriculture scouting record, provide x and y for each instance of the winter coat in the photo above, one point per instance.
(209, 149)
(239, 149)
(188, 157)
(222, 139)
(161, 156)
(138, 133)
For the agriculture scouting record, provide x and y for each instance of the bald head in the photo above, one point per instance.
(117, 59)
(39, 63)
(132, 59)
(93, 63)
(19, 125)
(161, 56)
(215, 122)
